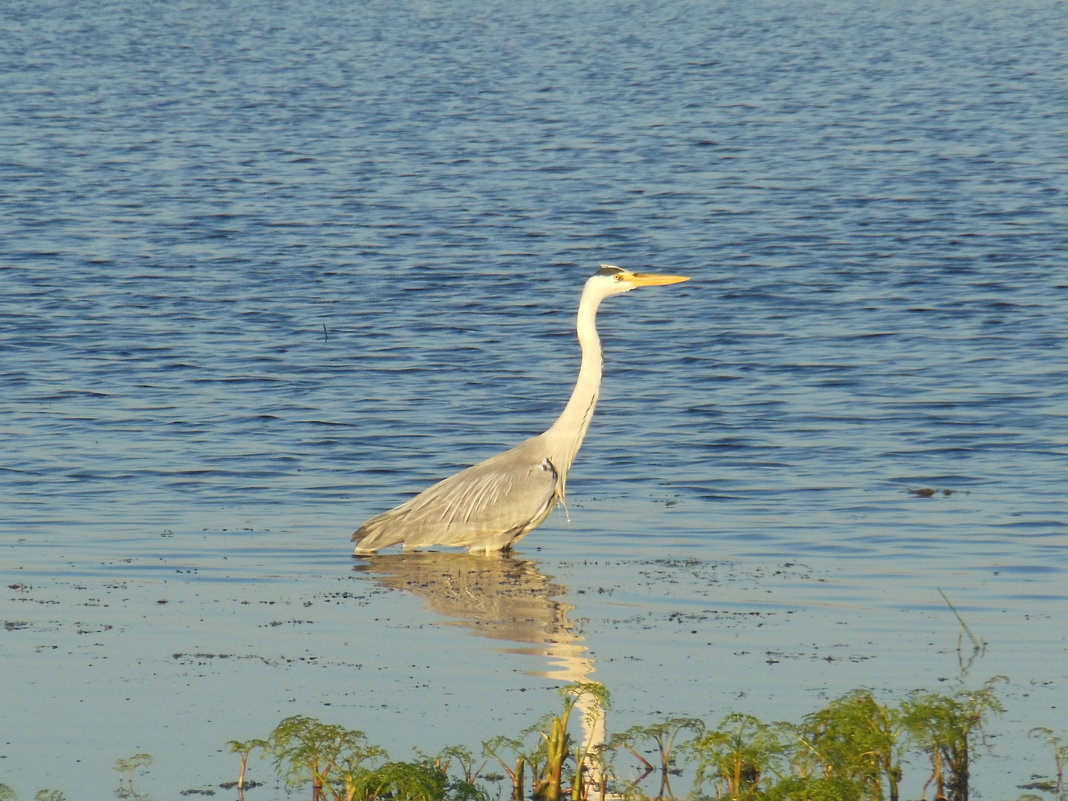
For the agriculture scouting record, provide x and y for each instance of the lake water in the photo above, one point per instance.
(266, 269)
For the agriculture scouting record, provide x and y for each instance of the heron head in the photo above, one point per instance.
(614, 280)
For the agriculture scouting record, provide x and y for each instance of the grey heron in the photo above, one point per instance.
(492, 505)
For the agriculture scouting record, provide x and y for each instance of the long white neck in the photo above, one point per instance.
(566, 434)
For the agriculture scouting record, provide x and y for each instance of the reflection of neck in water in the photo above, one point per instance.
(503, 598)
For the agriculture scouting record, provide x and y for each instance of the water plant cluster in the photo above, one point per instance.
(856, 748)
(853, 749)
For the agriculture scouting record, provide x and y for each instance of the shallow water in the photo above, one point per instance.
(265, 270)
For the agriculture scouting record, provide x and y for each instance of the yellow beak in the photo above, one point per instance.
(655, 279)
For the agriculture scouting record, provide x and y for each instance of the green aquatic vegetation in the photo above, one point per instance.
(1060, 758)
(853, 749)
(7, 793)
(737, 756)
(244, 748)
(127, 769)
(856, 741)
(501, 748)
(664, 736)
(557, 743)
(341, 765)
(543, 762)
(332, 758)
(457, 755)
(947, 727)
(49, 795)
(411, 781)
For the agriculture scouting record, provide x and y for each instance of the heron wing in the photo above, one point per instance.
(487, 506)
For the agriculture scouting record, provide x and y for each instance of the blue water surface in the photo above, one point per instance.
(267, 269)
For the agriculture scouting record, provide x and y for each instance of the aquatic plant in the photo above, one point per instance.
(244, 748)
(341, 765)
(664, 736)
(457, 755)
(7, 793)
(736, 756)
(127, 769)
(330, 757)
(853, 749)
(501, 748)
(411, 781)
(856, 741)
(1060, 759)
(945, 726)
(544, 761)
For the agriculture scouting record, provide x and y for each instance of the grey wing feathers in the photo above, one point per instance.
(485, 507)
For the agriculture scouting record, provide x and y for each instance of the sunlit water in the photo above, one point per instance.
(267, 269)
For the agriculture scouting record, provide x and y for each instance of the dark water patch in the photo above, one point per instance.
(1030, 570)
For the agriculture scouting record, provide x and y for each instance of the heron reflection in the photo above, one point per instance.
(500, 597)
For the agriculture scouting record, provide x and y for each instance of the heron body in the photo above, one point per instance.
(492, 505)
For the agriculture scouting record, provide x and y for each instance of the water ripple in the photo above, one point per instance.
(275, 269)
